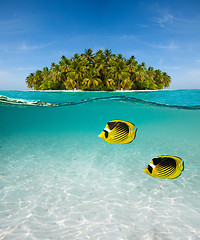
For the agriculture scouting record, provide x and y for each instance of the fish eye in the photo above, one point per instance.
(106, 133)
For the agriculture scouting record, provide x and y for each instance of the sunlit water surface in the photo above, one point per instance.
(58, 180)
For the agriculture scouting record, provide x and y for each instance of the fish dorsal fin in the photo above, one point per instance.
(111, 125)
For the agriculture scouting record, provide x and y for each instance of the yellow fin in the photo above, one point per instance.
(182, 166)
(178, 159)
(133, 133)
(131, 125)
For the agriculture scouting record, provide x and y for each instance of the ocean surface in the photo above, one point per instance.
(59, 181)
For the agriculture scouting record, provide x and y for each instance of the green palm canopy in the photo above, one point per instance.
(98, 71)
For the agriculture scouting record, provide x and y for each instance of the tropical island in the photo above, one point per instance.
(100, 71)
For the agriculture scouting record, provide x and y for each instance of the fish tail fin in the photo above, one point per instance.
(182, 166)
(133, 133)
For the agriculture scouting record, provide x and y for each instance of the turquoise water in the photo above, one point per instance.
(180, 98)
(58, 180)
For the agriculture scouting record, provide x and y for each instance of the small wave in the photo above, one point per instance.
(13, 101)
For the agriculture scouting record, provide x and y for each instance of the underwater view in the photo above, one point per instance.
(59, 180)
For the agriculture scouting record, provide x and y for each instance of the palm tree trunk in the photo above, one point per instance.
(119, 86)
(77, 85)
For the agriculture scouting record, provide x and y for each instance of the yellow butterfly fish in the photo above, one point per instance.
(118, 132)
(165, 167)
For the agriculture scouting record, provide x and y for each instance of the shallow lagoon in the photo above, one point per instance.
(60, 181)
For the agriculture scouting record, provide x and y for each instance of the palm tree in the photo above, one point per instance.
(150, 74)
(64, 68)
(45, 79)
(100, 66)
(30, 80)
(120, 57)
(132, 66)
(52, 66)
(108, 55)
(70, 83)
(158, 79)
(166, 80)
(119, 70)
(37, 80)
(75, 56)
(56, 77)
(143, 66)
(64, 64)
(76, 71)
(139, 77)
(110, 83)
(91, 80)
(45, 73)
(126, 83)
(100, 70)
(88, 54)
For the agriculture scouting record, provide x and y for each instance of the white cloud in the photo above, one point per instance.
(16, 47)
(11, 26)
(25, 47)
(165, 18)
(174, 23)
(169, 46)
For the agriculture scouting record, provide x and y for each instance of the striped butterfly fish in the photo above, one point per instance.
(165, 167)
(118, 132)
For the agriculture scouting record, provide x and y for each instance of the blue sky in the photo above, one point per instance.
(163, 34)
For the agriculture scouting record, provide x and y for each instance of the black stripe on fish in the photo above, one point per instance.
(106, 133)
(167, 161)
(122, 127)
(166, 173)
(119, 139)
(166, 168)
(150, 169)
(120, 136)
(119, 133)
